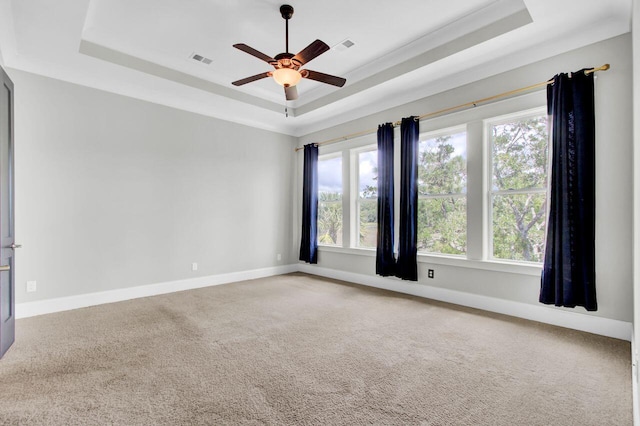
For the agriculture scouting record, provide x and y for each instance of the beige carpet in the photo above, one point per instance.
(302, 350)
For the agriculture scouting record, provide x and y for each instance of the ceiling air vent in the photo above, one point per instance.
(200, 58)
(344, 45)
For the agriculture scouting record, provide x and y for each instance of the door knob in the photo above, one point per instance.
(15, 246)
(5, 268)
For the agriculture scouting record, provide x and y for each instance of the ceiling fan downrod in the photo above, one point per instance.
(287, 12)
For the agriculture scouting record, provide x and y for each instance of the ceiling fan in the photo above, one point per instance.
(287, 71)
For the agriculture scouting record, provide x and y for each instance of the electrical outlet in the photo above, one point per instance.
(430, 273)
(194, 266)
(31, 286)
(279, 256)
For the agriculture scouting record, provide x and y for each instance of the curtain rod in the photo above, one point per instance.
(461, 106)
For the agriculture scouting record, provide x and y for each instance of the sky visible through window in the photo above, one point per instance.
(458, 141)
(368, 170)
(330, 175)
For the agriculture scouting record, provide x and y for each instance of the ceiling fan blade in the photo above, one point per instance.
(254, 52)
(323, 78)
(291, 93)
(312, 51)
(250, 79)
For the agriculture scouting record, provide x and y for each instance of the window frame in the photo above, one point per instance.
(433, 134)
(477, 217)
(488, 123)
(325, 157)
(356, 201)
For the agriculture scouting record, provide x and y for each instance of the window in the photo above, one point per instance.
(482, 189)
(330, 200)
(442, 187)
(519, 158)
(367, 198)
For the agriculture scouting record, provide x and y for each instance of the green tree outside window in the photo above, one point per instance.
(442, 204)
(519, 182)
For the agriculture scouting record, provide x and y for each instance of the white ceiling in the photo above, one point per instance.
(404, 50)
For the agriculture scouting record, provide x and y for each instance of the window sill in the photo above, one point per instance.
(371, 252)
(522, 268)
(532, 269)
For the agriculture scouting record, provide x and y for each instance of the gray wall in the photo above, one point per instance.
(613, 182)
(113, 192)
(635, 31)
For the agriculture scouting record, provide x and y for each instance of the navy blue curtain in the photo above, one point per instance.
(309, 239)
(385, 259)
(568, 276)
(407, 266)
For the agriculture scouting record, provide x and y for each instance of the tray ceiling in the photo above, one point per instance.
(402, 50)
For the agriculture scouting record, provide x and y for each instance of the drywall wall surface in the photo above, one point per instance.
(614, 189)
(113, 192)
(635, 31)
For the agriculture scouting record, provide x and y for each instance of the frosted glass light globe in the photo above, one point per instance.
(287, 77)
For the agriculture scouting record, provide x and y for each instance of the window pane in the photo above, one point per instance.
(520, 154)
(330, 201)
(368, 222)
(442, 225)
(330, 220)
(368, 174)
(442, 169)
(368, 198)
(518, 226)
(442, 165)
(330, 175)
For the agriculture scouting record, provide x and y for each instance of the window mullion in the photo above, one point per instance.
(476, 216)
(346, 199)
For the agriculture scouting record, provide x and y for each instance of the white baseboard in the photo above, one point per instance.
(541, 313)
(29, 309)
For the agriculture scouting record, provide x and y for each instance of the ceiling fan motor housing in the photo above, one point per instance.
(286, 60)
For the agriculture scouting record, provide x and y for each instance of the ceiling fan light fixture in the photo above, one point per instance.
(287, 77)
